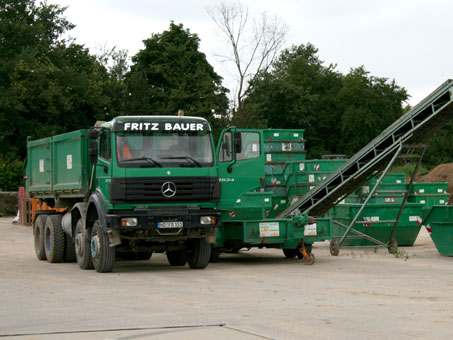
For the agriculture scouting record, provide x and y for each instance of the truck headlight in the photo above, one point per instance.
(129, 221)
(207, 220)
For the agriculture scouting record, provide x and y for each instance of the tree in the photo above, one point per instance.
(299, 92)
(369, 105)
(117, 64)
(340, 113)
(253, 44)
(47, 85)
(440, 147)
(27, 32)
(171, 74)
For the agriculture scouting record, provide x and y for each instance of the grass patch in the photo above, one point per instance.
(408, 169)
(399, 254)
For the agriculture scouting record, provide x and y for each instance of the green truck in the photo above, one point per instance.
(261, 172)
(138, 185)
(130, 187)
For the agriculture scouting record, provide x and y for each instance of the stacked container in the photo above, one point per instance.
(281, 147)
(429, 194)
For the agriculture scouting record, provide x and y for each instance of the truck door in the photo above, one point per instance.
(241, 164)
(103, 171)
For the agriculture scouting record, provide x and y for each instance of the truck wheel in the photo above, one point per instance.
(290, 253)
(38, 235)
(54, 239)
(334, 248)
(144, 255)
(82, 246)
(215, 254)
(102, 255)
(198, 253)
(69, 250)
(176, 257)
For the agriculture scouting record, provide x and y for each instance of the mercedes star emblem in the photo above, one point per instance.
(168, 189)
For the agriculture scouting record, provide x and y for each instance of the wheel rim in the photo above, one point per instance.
(48, 234)
(37, 238)
(95, 246)
(79, 244)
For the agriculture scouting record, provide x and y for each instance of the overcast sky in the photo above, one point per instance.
(410, 41)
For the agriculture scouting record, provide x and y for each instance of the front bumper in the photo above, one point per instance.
(148, 218)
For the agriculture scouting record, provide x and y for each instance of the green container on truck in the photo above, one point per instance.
(130, 187)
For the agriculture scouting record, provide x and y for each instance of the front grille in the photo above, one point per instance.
(149, 189)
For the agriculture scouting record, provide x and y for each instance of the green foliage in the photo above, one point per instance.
(369, 105)
(299, 92)
(440, 147)
(409, 168)
(171, 74)
(47, 85)
(11, 174)
(340, 113)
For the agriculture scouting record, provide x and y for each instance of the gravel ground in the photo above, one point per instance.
(257, 294)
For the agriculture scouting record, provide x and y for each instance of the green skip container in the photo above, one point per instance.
(439, 223)
(372, 222)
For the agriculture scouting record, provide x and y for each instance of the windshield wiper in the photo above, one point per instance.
(148, 159)
(188, 158)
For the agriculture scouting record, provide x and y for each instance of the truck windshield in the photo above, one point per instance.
(143, 149)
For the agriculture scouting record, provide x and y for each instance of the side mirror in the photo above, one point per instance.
(93, 151)
(237, 142)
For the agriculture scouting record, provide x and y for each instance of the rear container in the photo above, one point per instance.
(58, 166)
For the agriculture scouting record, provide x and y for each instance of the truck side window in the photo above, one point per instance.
(225, 152)
(250, 146)
(104, 146)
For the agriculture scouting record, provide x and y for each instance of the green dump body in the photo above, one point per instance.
(439, 223)
(376, 221)
(58, 166)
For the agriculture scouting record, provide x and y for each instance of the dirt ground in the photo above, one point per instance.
(257, 294)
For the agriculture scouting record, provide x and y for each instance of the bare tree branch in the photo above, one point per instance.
(253, 44)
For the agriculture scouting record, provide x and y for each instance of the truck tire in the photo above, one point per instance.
(198, 253)
(102, 255)
(215, 254)
(38, 235)
(290, 253)
(82, 246)
(69, 250)
(176, 257)
(144, 255)
(54, 238)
